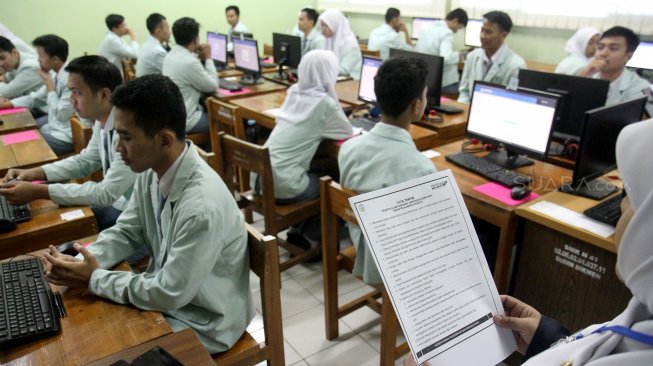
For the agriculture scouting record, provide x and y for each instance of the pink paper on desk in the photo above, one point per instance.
(14, 138)
(501, 193)
(444, 99)
(12, 110)
(229, 92)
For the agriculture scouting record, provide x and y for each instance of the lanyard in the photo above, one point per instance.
(626, 332)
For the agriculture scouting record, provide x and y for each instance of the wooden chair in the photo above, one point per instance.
(82, 133)
(223, 117)
(129, 68)
(369, 53)
(335, 205)
(263, 254)
(237, 154)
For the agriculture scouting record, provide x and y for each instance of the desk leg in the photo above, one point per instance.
(503, 262)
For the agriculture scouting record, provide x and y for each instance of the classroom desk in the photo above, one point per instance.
(183, 345)
(546, 177)
(25, 154)
(257, 108)
(574, 298)
(94, 328)
(17, 122)
(264, 87)
(46, 227)
(453, 126)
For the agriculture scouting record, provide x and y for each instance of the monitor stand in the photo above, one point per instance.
(596, 189)
(250, 80)
(508, 159)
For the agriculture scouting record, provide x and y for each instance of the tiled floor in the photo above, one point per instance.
(303, 319)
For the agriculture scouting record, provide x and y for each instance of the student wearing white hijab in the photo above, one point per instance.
(628, 338)
(580, 48)
(342, 41)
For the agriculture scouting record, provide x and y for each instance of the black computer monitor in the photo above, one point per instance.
(218, 43)
(596, 151)
(366, 85)
(287, 51)
(246, 59)
(241, 35)
(473, 33)
(578, 95)
(434, 77)
(419, 24)
(643, 57)
(520, 121)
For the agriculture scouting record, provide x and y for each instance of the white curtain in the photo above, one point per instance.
(409, 8)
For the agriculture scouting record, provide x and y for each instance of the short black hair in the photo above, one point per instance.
(632, 40)
(113, 20)
(234, 8)
(6, 45)
(311, 14)
(185, 30)
(96, 71)
(391, 13)
(156, 103)
(500, 18)
(398, 82)
(53, 45)
(153, 21)
(459, 14)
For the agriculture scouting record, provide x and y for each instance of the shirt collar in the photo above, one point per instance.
(496, 55)
(391, 132)
(165, 183)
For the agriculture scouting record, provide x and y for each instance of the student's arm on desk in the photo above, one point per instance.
(77, 166)
(336, 124)
(24, 81)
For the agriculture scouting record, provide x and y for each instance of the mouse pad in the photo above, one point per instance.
(502, 193)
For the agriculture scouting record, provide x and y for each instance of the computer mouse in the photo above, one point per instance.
(522, 180)
(519, 192)
(67, 248)
(6, 225)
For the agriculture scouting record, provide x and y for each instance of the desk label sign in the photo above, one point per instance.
(579, 260)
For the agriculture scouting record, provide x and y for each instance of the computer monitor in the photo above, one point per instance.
(218, 43)
(578, 95)
(419, 24)
(366, 85)
(643, 57)
(434, 65)
(473, 33)
(246, 59)
(518, 120)
(287, 51)
(596, 151)
(241, 35)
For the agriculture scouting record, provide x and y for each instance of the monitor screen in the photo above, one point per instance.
(575, 98)
(366, 84)
(520, 120)
(643, 56)
(218, 43)
(287, 50)
(601, 126)
(434, 65)
(246, 55)
(473, 33)
(419, 24)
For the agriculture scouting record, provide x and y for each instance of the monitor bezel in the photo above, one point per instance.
(433, 94)
(412, 25)
(360, 81)
(226, 53)
(648, 44)
(479, 35)
(277, 39)
(258, 62)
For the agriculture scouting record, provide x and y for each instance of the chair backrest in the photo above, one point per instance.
(129, 68)
(224, 117)
(268, 50)
(335, 200)
(81, 134)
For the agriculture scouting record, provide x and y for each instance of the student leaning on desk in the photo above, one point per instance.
(628, 338)
(182, 212)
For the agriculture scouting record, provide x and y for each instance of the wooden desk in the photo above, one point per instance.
(264, 87)
(94, 328)
(546, 177)
(256, 108)
(540, 66)
(25, 154)
(17, 122)
(566, 272)
(46, 227)
(347, 92)
(183, 345)
(453, 126)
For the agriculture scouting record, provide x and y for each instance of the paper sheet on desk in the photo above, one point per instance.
(18, 137)
(423, 242)
(273, 111)
(573, 218)
(12, 110)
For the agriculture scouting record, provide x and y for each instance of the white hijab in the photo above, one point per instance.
(577, 44)
(343, 38)
(317, 75)
(635, 263)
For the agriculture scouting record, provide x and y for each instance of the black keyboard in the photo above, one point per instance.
(607, 212)
(447, 109)
(17, 213)
(268, 64)
(488, 169)
(27, 309)
(362, 122)
(230, 85)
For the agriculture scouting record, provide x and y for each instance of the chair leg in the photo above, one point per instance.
(389, 325)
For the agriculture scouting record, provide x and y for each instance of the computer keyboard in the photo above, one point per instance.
(268, 64)
(447, 109)
(17, 213)
(607, 212)
(27, 309)
(362, 122)
(488, 169)
(230, 85)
